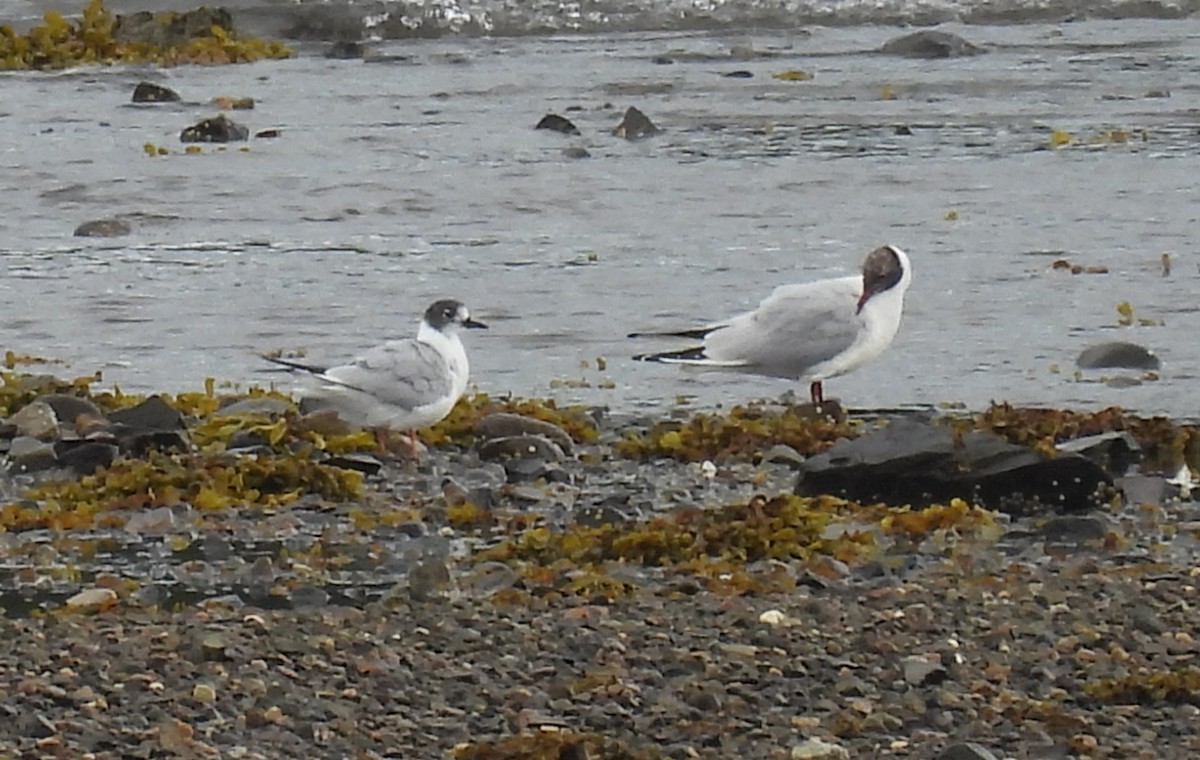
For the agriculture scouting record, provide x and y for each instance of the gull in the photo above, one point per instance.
(809, 331)
(402, 385)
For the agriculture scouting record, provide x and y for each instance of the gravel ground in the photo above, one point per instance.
(379, 629)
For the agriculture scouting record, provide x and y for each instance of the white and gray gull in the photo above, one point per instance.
(402, 385)
(809, 331)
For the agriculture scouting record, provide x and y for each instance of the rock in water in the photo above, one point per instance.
(916, 463)
(635, 126)
(103, 228)
(217, 129)
(346, 50)
(929, 43)
(148, 92)
(1117, 355)
(556, 123)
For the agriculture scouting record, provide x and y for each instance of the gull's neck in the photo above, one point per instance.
(448, 344)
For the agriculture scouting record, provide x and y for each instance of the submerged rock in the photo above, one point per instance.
(103, 228)
(916, 463)
(929, 43)
(344, 50)
(1117, 355)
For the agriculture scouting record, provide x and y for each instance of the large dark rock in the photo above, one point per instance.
(917, 463)
(153, 425)
(929, 43)
(152, 414)
(1117, 354)
(218, 129)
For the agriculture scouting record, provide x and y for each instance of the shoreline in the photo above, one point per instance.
(517, 605)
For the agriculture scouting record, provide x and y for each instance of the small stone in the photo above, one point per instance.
(103, 228)
(919, 671)
(1075, 529)
(783, 453)
(36, 420)
(815, 749)
(309, 596)
(505, 424)
(151, 522)
(430, 580)
(205, 693)
(356, 460)
(92, 599)
(28, 454)
(966, 751)
(576, 152)
(232, 103)
(525, 470)
(521, 447)
(214, 648)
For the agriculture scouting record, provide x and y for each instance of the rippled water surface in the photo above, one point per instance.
(398, 182)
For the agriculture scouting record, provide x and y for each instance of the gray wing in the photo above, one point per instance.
(792, 330)
(402, 373)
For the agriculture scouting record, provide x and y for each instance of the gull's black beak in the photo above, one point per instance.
(468, 322)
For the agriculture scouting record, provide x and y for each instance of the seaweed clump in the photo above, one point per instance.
(743, 434)
(718, 545)
(96, 38)
(1151, 687)
(206, 481)
(1165, 444)
(553, 745)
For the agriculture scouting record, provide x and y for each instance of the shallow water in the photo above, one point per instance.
(397, 183)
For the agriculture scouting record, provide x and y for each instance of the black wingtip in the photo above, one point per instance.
(695, 353)
(698, 333)
(288, 363)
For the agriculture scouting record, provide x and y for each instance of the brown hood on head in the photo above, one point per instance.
(882, 270)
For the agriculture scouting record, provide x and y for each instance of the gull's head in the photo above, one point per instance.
(448, 316)
(885, 268)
